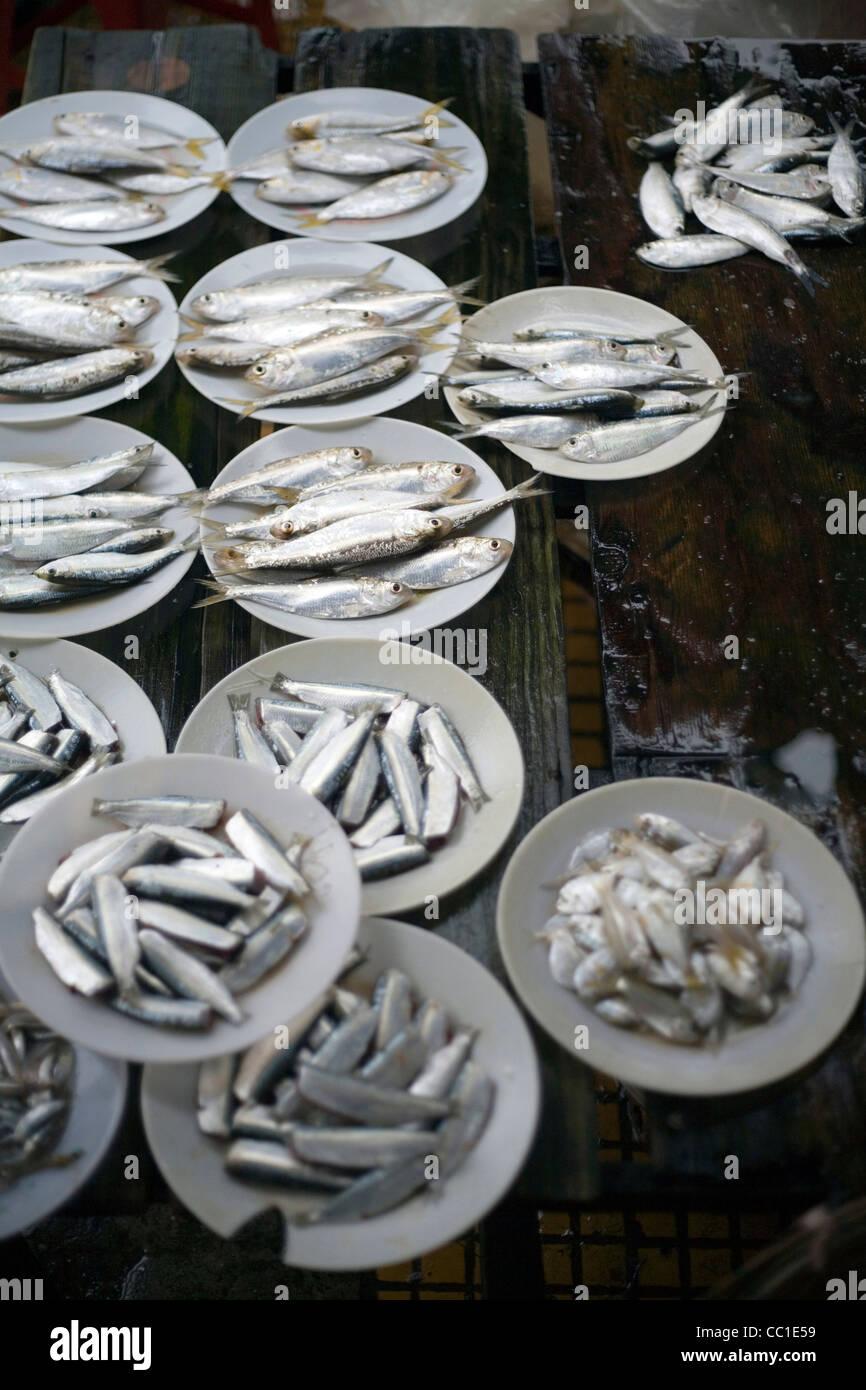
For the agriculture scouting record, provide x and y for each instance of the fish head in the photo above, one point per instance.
(385, 593)
(303, 126)
(494, 547)
(210, 305)
(447, 477)
(427, 527)
(230, 558)
(268, 371)
(143, 307)
(141, 359)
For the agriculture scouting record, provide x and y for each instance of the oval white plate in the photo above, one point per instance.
(35, 121)
(192, 1164)
(98, 1098)
(159, 334)
(85, 438)
(268, 129)
(69, 822)
(754, 1056)
(302, 257)
(490, 740)
(392, 441)
(115, 692)
(608, 312)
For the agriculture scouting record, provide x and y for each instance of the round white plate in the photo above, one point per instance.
(333, 909)
(303, 257)
(392, 441)
(158, 334)
(192, 1163)
(607, 312)
(35, 121)
(267, 130)
(754, 1056)
(98, 1098)
(482, 723)
(72, 441)
(111, 687)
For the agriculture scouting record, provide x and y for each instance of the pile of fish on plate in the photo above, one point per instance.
(592, 395)
(358, 1105)
(355, 164)
(755, 176)
(96, 173)
(165, 920)
(62, 538)
(307, 339)
(61, 334)
(52, 735)
(37, 1077)
(393, 771)
(618, 940)
(357, 537)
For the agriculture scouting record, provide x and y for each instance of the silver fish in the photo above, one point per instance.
(438, 731)
(264, 949)
(312, 513)
(122, 215)
(80, 275)
(388, 855)
(392, 996)
(341, 597)
(324, 776)
(660, 203)
(624, 375)
(214, 1095)
(299, 471)
(328, 355)
(28, 691)
(36, 544)
(166, 882)
(625, 439)
(188, 976)
(789, 216)
(117, 928)
(260, 1160)
(164, 1011)
(69, 376)
(30, 184)
(381, 825)
(163, 183)
(304, 187)
(356, 1148)
(339, 695)
(286, 328)
(370, 377)
(809, 183)
(126, 466)
(185, 926)
(112, 567)
(246, 832)
(736, 222)
(364, 1101)
(85, 154)
(360, 155)
(846, 175)
(80, 712)
(219, 355)
(69, 962)
(682, 253)
(279, 293)
(198, 813)
(99, 125)
(343, 120)
(355, 540)
(251, 746)
(433, 477)
(441, 799)
(531, 431)
(399, 193)
(404, 783)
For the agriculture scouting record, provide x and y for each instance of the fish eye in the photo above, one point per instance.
(457, 469)
(494, 545)
(396, 588)
(259, 370)
(206, 298)
(366, 313)
(357, 453)
(435, 523)
(142, 299)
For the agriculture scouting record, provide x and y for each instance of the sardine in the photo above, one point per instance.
(846, 175)
(192, 812)
(188, 976)
(278, 293)
(744, 226)
(69, 376)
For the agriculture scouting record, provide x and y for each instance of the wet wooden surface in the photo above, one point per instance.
(224, 74)
(735, 542)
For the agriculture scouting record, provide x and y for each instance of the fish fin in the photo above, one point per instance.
(312, 220)
(213, 525)
(669, 337)
(194, 147)
(452, 315)
(808, 278)
(426, 334)
(445, 157)
(288, 494)
(374, 275)
(434, 111)
(153, 267)
(181, 171)
(839, 129)
(461, 291)
(528, 489)
(249, 407)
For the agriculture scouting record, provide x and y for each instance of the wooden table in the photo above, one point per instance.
(734, 543)
(224, 74)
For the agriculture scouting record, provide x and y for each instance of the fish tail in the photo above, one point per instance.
(445, 157)
(237, 699)
(249, 407)
(839, 129)
(311, 220)
(528, 489)
(222, 180)
(213, 525)
(195, 147)
(452, 315)
(808, 278)
(435, 109)
(154, 267)
(461, 291)
(220, 597)
(426, 334)
(179, 170)
(670, 335)
(374, 275)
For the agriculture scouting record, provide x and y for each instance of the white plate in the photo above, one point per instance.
(754, 1056)
(333, 910)
(303, 257)
(192, 1164)
(267, 130)
(608, 312)
(490, 740)
(35, 121)
(158, 334)
(392, 441)
(111, 687)
(85, 438)
(98, 1099)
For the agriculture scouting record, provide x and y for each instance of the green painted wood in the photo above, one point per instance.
(522, 617)
(734, 542)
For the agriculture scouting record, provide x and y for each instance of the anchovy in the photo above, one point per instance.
(257, 844)
(177, 811)
(264, 949)
(75, 967)
(390, 854)
(364, 1101)
(188, 976)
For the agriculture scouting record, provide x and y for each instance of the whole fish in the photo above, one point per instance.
(347, 120)
(354, 540)
(625, 439)
(186, 975)
(27, 691)
(287, 328)
(451, 562)
(23, 591)
(389, 855)
(80, 276)
(322, 509)
(365, 1102)
(282, 292)
(403, 780)
(340, 597)
(327, 355)
(304, 187)
(690, 181)
(789, 216)
(660, 202)
(104, 215)
(682, 253)
(31, 184)
(371, 377)
(338, 695)
(399, 193)
(50, 539)
(775, 156)
(86, 154)
(220, 355)
(809, 183)
(361, 155)
(117, 928)
(99, 125)
(251, 746)
(91, 322)
(438, 731)
(73, 375)
(744, 226)
(163, 184)
(189, 812)
(624, 375)
(255, 842)
(708, 138)
(463, 514)
(80, 712)
(111, 567)
(297, 472)
(74, 966)
(430, 477)
(527, 395)
(526, 354)
(541, 431)
(129, 505)
(264, 949)
(847, 178)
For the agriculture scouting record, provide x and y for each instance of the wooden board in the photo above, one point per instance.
(735, 543)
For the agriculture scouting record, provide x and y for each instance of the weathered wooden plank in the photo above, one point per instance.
(522, 617)
(735, 543)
